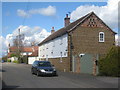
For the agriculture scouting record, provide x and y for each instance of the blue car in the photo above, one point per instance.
(2, 61)
(43, 68)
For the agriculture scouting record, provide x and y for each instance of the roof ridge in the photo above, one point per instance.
(65, 31)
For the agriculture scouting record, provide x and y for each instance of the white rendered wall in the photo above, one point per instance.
(32, 59)
(26, 53)
(55, 48)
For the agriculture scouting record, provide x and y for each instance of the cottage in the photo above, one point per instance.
(30, 51)
(78, 45)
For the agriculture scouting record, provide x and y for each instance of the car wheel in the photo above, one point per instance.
(38, 73)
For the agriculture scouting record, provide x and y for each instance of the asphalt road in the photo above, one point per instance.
(19, 76)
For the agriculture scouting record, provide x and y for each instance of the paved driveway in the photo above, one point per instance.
(19, 76)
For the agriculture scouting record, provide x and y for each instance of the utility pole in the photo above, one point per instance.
(19, 43)
(18, 38)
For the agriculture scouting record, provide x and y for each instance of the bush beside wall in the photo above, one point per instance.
(8, 60)
(16, 61)
(110, 64)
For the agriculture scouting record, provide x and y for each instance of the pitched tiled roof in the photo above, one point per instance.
(23, 49)
(67, 29)
(35, 53)
(62, 31)
(33, 49)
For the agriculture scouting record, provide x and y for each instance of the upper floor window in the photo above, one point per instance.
(101, 37)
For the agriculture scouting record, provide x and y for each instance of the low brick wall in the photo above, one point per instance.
(60, 64)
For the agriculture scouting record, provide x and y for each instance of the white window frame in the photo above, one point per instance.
(102, 39)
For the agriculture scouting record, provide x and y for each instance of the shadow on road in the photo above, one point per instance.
(5, 87)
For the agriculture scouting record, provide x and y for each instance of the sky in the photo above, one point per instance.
(35, 19)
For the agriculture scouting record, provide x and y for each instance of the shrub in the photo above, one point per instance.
(8, 60)
(110, 64)
(13, 55)
(24, 59)
(16, 61)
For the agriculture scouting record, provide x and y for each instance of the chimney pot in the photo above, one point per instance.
(52, 28)
(66, 20)
(52, 31)
(66, 15)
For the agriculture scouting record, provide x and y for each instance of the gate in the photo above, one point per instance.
(86, 63)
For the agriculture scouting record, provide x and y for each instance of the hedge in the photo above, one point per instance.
(110, 64)
(8, 60)
(16, 61)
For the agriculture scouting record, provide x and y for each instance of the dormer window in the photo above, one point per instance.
(101, 37)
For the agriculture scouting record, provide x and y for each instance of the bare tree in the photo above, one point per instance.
(18, 43)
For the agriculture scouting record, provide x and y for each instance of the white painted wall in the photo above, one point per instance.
(58, 46)
(13, 59)
(26, 53)
(32, 59)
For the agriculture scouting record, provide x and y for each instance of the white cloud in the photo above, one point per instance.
(117, 40)
(22, 13)
(49, 11)
(3, 46)
(108, 13)
(32, 34)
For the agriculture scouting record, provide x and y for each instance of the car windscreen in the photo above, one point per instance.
(45, 64)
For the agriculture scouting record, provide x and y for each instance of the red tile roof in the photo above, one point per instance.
(23, 49)
(33, 49)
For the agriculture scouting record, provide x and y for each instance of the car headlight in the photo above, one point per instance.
(42, 70)
(54, 69)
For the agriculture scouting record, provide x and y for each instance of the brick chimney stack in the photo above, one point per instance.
(66, 20)
(52, 31)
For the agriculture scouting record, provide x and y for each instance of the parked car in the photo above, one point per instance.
(2, 61)
(43, 68)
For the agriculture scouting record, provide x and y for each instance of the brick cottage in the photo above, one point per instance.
(78, 45)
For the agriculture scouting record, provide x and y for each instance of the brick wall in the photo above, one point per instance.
(60, 64)
(86, 39)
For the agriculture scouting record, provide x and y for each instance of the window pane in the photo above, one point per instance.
(101, 36)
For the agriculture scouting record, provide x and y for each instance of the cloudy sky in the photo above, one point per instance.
(35, 19)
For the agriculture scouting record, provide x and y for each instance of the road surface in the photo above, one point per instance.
(19, 76)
